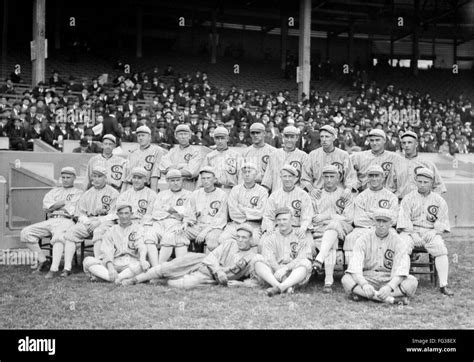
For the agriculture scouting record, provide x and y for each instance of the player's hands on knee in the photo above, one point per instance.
(316, 193)
(384, 292)
(145, 265)
(369, 290)
(280, 273)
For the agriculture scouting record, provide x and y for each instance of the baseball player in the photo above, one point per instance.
(184, 157)
(380, 264)
(140, 197)
(93, 211)
(312, 178)
(123, 250)
(226, 265)
(296, 199)
(60, 204)
(375, 196)
(246, 203)
(165, 226)
(423, 219)
(259, 152)
(377, 155)
(331, 223)
(289, 154)
(285, 259)
(406, 170)
(147, 156)
(206, 212)
(115, 165)
(224, 161)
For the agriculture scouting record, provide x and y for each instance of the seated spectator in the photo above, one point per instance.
(17, 135)
(83, 147)
(33, 133)
(8, 88)
(55, 80)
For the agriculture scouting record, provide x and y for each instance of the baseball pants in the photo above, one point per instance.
(53, 227)
(433, 243)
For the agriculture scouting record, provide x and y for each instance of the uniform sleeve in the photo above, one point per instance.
(212, 259)
(150, 208)
(268, 253)
(354, 158)
(348, 213)
(236, 212)
(256, 214)
(155, 171)
(360, 214)
(401, 260)
(307, 173)
(107, 247)
(126, 170)
(81, 209)
(267, 179)
(220, 220)
(350, 175)
(394, 208)
(49, 199)
(165, 163)
(268, 221)
(140, 241)
(71, 205)
(442, 223)
(391, 179)
(194, 164)
(404, 216)
(356, 263)
(306, 212)
(190, 210)
(87, 179)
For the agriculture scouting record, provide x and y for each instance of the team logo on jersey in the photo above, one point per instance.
(293, 250)
(340, 205)
(214, 208)
(187, 157)
(106, 200)
(340, 168)
(239, 266)
(69, 197)
(254, 201)
(386, 167)
(297, 165)
(231, 167)
(142, 206)
(117, 172)
(388, 259)
(265, 162)
(432, 213)
(296, 205)
(150, 161)
(179, 202)
(132, 237)
(384, 204)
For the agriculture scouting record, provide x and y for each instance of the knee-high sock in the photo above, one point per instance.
(99, 271)
(442, 265)
(58, 249)
(97, 248)
(266, 274)
(152, 253)
(165, 254)
(69, 251)
(34, 247)
(297, 276)
(327, 243)
(347, 256)
(152, 273)
(329, 264)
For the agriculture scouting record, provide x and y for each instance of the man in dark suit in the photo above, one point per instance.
(83, 147)
(93, 147)
(309, 139)
(111, 126)
(17, 135)
(48, 134)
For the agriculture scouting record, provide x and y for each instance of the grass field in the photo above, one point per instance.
(32, 302)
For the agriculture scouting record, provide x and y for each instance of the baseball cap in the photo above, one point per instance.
(123, 205)
(377, 133)
(100, 170)
(143, 129)
(182, 128)
(282, 210)
(384, 214)
(409, 134)
(257, 127)
(329, 129)
(423, 171)
(69, 170)
(221, 131)
(246, 227)
(174, 173)
(139, 171)
(330, 169)
(374, 169)
(291, 130)
(290, 169)
(207, 169)
(110, 137)
(249, 165)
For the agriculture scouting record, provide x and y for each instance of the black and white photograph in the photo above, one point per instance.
(249, 165)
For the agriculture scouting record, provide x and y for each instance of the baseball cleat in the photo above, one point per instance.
(402, 301)
(273, 291)
(52, 274)
(41, 267)
(65, 273)
(290, 290)
(93, 279)
(127, 282)
(327, 288)
(317, 266)
(446, 291)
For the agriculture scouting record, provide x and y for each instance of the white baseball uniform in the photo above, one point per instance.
(142, 202)
(114, 165)
(226, 165)
(259, 156)
(187, 158)
(148, 158)
(271, 178)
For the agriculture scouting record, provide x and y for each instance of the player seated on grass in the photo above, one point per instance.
(285, 259)
(123, 252)
(94, 211)
(380, 264)
(165, 226)
(331, 223)
(423, 219)
(229, 264)
(206, 212)
(60, 205)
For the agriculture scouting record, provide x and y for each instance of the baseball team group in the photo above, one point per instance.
(263, 217)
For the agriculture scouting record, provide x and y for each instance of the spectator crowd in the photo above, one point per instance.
(60, 110)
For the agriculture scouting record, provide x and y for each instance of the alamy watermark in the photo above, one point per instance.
(18, 257)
